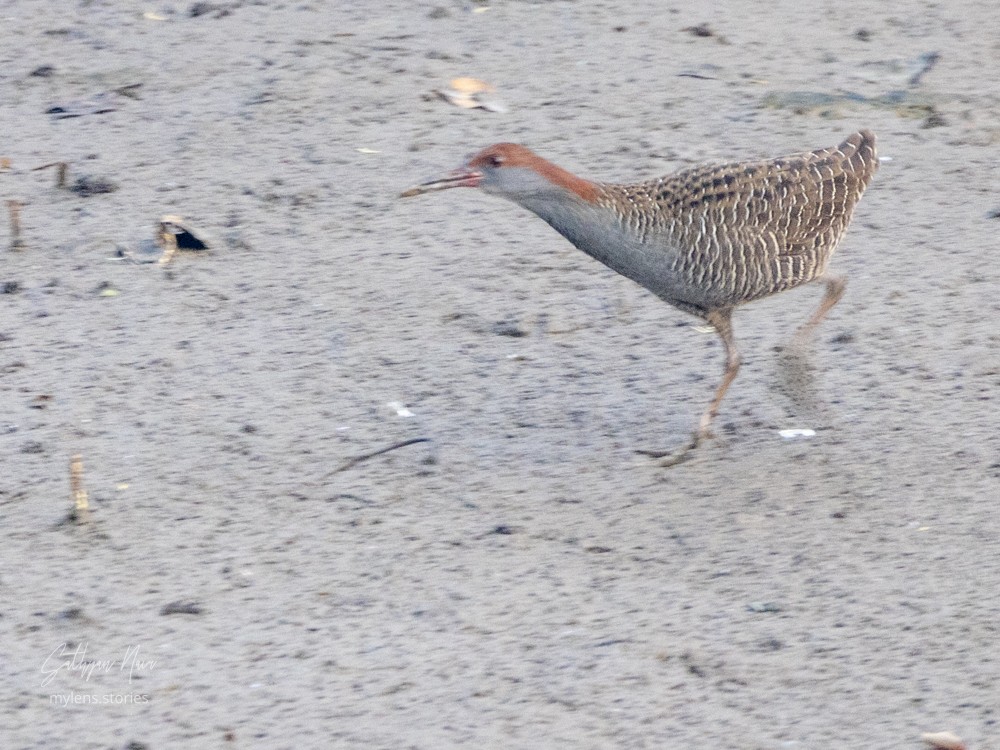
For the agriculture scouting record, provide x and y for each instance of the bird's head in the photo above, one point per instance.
(512, 171)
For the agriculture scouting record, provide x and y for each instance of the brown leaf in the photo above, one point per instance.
(470, 86)
(943, 740)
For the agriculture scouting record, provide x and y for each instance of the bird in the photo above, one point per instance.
(705, 239)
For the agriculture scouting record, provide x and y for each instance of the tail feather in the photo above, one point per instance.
(860, 152)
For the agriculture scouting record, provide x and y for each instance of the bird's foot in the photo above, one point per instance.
(678, 455)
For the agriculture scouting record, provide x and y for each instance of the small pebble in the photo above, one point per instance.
(181, 608)
(87, 186)
(508, 328)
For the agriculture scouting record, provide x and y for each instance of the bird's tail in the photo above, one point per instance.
(860, 153)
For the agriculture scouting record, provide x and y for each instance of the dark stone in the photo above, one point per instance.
(88, 185)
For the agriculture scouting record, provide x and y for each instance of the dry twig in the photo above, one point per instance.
(62, 168)
(365, 456)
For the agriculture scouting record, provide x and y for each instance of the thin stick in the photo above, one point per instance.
(14, 209)
(81, 508)
(63, 168)
(365, 456)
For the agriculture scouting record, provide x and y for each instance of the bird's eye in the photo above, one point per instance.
(495, 160)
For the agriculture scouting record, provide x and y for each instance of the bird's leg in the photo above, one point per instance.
(834, 291)
(721, 320)
(796, 368)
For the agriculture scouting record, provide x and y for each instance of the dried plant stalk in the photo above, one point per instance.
(81, 507)
(62, 168)
(14, 210)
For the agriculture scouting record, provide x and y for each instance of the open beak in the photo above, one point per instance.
(461, 177)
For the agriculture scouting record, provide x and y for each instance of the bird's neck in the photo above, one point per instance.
(594, 227)
(601, 232)
(555, 175)
(566, 212)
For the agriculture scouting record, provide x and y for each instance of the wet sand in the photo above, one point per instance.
(522, 578)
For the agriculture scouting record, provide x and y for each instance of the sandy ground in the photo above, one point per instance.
(524, 579)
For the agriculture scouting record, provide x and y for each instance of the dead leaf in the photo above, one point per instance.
(470, 85)
(471, 93)
(459, 100)
(943, 740)
(491, 104)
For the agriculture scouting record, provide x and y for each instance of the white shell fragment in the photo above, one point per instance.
(174, 234)
(144, 251)
(187, 237)
(401, 411)
(792, 434)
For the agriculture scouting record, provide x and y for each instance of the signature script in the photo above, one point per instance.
(68, 659)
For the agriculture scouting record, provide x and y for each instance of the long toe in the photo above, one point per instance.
(704, 431)
(682, 454)
(675, 456)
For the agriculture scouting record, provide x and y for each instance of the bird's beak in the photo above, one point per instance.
(461, 177)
